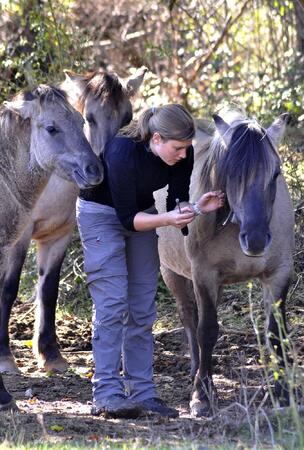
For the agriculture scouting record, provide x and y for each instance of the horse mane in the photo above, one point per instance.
(102, 85)
(250, 154)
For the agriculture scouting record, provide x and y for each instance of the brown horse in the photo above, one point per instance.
(39, 133)
(104, 101)
(242, 160)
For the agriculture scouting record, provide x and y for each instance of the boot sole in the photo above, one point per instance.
(118, 414)
(123, 414)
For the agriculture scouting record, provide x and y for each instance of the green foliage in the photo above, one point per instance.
(212, 55)
(285, 370)
(28, 276)
(41, 40)
(74, 297)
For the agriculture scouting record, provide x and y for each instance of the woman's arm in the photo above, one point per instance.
(206, 203)
(145, 222)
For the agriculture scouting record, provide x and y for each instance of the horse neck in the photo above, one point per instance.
(20, 175)
(210, 223)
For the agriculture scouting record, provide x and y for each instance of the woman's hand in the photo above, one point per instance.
(180, 219)
(211, 201)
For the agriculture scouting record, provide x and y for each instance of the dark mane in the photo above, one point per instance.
(249, 154)
(104, 86)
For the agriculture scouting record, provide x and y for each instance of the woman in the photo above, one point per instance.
(117, 222)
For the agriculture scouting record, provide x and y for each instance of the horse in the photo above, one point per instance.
(252, 236)
(104, 101)
(40, 132)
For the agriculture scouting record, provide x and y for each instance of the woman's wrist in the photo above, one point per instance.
(196, 209)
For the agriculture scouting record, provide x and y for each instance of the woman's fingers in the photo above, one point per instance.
(181, 219)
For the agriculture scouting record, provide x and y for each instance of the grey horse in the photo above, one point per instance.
(251, 237)
(103, 99)
(40, 133)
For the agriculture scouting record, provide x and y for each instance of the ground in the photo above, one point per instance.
(56, 408)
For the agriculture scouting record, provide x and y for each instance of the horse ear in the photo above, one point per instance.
(277, 129)
(72, 76)
(23, 108)
(72, 85)
(134, 82)
(223, 128)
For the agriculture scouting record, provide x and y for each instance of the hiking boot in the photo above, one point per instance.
(157, 405)
(117, 406)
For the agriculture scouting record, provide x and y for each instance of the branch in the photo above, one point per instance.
(229, 23)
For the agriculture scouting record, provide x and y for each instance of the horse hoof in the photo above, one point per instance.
(10, 406)
(7, 364)
(58, 365)
(200, 408)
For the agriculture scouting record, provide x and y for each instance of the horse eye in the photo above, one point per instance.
(91, 120)
(52, 130)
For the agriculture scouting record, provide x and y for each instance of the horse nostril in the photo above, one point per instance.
(92, 169)
(268, 239)
(94, 173)
(244, 239)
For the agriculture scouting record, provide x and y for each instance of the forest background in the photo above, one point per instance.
(205, 54)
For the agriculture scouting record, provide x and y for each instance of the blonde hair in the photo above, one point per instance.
(171, 121)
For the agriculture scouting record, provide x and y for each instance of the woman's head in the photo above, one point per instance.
(171, 121)
(169, 129)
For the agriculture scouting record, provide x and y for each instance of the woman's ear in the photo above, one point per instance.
(156, 138)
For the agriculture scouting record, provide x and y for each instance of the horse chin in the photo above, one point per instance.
(81, 180)
(78, 177)
(253, 255)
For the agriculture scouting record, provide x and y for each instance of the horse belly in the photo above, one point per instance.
(172, 251)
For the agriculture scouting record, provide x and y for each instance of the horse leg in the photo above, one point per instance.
(204, 394)
(6, 400)
(182, 290)
(9, 293)
(50, 257)
(7, 403)
(276, 291)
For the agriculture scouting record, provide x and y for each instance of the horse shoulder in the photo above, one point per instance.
(54, 212)
(282, 221)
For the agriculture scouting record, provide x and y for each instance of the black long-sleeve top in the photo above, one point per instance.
(132, 173)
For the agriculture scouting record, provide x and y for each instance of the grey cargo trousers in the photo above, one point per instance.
(121, 268)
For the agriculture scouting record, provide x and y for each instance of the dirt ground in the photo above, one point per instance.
(56, 407)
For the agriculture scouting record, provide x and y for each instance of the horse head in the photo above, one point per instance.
(247, 171)
(103, 99)
(55, 133)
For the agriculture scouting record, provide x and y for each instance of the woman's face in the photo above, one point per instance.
(170, 151)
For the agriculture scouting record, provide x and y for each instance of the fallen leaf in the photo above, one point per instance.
(57, 428)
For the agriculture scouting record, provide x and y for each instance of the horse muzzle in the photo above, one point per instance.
(255, 244)
(89, 176)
